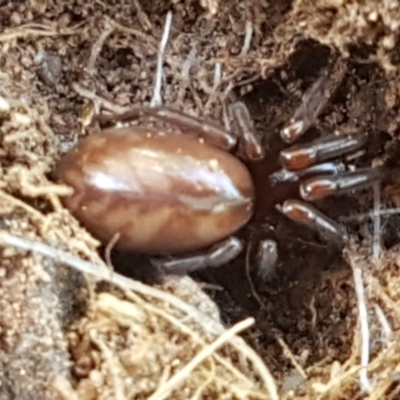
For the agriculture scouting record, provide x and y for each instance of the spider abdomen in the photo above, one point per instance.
(158, 192)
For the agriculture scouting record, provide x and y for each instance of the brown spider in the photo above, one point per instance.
(181, 197)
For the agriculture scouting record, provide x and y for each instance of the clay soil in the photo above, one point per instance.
(305, 331)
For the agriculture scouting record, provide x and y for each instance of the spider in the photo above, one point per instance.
(181, 196)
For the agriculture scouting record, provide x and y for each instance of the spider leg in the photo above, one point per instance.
(321, 186)
(267, 257)
(216, 256)
(313, 103)
(311, 217)
(210, 131)
(284, 175)
(327, 148)
(250, 146)
(245, 135)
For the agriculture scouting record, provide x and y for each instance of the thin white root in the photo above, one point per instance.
(216, 84)
(385, 212)
(247, 38)
(157, 100)
(165, 390)
(217, 75)
(363, 317)
(387, 331)
(376, 240)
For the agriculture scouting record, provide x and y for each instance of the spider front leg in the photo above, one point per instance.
(313, 103)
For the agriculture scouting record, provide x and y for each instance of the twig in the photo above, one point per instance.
(24, 32)
(142, 16)
(34, 190)
(138, 33)
(97, 46)
(165, 390)
(19, 203)
(100, 101)
(156, 100)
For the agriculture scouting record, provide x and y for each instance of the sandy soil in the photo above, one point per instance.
(307, 329)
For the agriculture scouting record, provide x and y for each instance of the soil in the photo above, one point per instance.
(64, 334)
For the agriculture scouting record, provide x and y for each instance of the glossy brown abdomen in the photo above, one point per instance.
(161, 193)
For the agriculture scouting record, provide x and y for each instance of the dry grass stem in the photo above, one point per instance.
(289, 354)
(176, 380)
